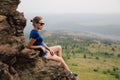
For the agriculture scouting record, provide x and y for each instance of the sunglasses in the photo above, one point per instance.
(41, 24)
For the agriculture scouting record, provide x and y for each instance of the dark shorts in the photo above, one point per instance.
(43, 54)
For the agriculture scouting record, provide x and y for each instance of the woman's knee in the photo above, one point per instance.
(59, 47)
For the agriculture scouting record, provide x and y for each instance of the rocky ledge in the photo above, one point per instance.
(16, 61)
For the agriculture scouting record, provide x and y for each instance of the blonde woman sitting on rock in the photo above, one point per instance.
(36, 42)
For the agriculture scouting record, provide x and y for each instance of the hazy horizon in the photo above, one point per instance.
(106, 25)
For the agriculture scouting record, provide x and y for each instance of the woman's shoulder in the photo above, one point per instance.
(34, 31)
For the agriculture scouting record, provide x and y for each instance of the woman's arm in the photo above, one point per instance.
(31, 46)
(46, 46)
(51, 51)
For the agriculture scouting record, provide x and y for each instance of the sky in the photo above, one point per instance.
(70, 6)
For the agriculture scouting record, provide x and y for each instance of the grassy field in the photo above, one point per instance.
(92, 59)
(93, 69)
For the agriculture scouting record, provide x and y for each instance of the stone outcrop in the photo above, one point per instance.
(16, 61)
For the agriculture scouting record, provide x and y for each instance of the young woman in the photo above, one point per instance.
(36, 42)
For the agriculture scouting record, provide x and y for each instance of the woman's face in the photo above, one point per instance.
(40, 24)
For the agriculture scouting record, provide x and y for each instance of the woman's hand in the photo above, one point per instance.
(51, 51)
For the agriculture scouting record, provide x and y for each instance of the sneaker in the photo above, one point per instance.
(74, 74)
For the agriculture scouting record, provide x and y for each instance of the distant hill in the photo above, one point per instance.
(100, 25)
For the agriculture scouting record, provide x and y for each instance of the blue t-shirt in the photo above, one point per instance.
(35, 34)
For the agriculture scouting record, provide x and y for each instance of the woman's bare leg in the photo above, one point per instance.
(57, 58)
(57, 49)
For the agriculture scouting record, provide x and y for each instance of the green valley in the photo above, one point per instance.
(92, 59)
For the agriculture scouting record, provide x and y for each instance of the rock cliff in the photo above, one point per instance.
(16, 61)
